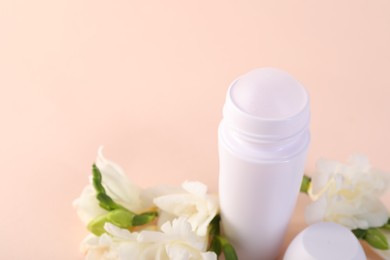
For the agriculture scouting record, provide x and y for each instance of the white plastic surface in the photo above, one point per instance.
(324, 241)
(269, 93)
(263, 141)
(257, 200)
(267, 104)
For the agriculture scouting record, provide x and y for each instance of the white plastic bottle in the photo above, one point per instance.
(263, 142)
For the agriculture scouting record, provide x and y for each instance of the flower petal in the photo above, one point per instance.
(195, 187)
(120, 233)
(117, 184)
(347, 194)
(87, 206)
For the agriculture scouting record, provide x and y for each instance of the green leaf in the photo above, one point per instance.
(387, 225)
(229, 252)
(227, 248)
(219, 243)
(214, 231)
(105, 201)
(96, 226)
(305, 184)
(144, 218)
(359, 233)
(376, 239)
(215, 246)
(214, 226)
(121, 218)
(97, 179)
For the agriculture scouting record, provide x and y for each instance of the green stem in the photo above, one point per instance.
(373, 236)
(105, 201)
(144, 218)
(117, 214)
(219, 244)
(305, 184)
(227, 248)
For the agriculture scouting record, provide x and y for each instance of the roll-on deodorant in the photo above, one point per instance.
(263, 142)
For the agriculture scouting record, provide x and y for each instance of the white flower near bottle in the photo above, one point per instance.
(348, 194)
(192, 202)
(175, 241)
(99, 247)
(115, 244)
(118, 187)
(166, 223)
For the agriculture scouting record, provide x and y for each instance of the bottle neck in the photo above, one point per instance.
(261, 146)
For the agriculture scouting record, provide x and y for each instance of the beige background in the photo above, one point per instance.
(147, 79)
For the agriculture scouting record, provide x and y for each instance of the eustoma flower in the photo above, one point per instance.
(347, 194)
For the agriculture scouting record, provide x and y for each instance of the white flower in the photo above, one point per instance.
(193, 203)
(185, 214)
(99, 248)
(175, 241)
(87, 205)
(117, 186)
(112, 245)
(347, 194)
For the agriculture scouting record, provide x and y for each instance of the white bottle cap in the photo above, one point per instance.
(267, 103)
(324, 241)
